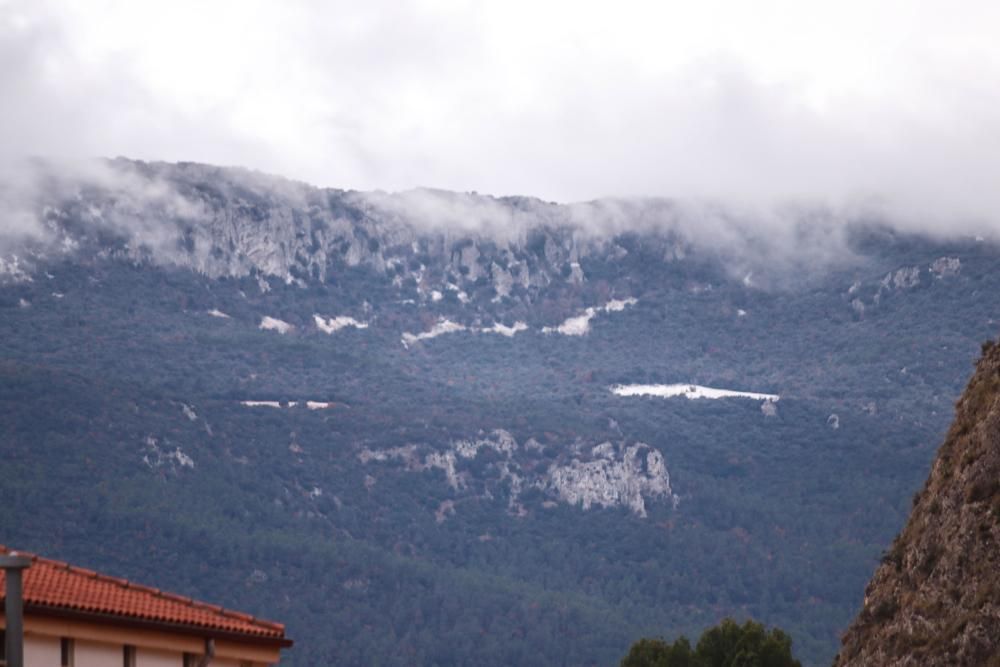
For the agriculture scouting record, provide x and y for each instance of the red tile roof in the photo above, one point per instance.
(57, 586)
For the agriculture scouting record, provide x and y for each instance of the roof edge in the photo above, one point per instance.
(163, 626)
(264, 624)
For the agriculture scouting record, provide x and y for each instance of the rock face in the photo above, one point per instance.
(234, 223)
(935, 600)
(605, 475)
(612, 478)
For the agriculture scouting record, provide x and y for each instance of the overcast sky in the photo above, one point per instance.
(838, 100)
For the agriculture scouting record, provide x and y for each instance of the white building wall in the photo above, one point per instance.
(45, 650)
(94, 654)
(151, 657)
(41, 651)
(227, 662)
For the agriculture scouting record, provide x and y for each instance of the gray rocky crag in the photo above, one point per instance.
(604, 475)
(234, 223)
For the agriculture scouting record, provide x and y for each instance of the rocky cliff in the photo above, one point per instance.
(935, 600)
(227, 222)
(605, 475)
(233, 223)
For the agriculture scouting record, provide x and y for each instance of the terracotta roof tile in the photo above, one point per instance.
(57, 585)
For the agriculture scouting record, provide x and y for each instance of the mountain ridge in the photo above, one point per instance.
(230, 222)
(396, 450)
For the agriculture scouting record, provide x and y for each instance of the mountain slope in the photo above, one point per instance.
(935, 600)
(392, 420)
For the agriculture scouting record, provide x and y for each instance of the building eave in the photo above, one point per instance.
(152, 624)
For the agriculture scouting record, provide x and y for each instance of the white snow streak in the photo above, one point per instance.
(579, 325)
(333, 324)
(274, 324)
(443, 326)
(504, 330)
(691, 391)
(312, 405)
(447, 326)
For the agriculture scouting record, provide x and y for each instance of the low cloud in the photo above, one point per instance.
(856, 110)
(115, 197)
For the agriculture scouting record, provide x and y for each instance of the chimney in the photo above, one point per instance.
(12, 565)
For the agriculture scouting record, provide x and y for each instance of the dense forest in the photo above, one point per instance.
(128, 444)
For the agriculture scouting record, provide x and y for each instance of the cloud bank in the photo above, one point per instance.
(890, 107)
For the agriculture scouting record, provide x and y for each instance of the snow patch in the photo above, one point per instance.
(443, 326)
(334, 324)
(261, 404)
(618, 305)
(268, 323)
(215, 312)
(579, 325)
(691, 391)
(311, 405)
(447, 326)
(503, 330)
(573, 326)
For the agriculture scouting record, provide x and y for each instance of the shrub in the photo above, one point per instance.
(728, 644)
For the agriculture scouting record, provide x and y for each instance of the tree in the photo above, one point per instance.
(728, 644)
(658, 653)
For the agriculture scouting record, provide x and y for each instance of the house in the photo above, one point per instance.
(74, 617)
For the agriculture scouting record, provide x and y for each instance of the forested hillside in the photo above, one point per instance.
(387, 420)
(934, 600)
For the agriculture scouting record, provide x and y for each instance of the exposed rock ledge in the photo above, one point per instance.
(605, 475)
(935, 600)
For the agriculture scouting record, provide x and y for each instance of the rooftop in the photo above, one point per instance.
(58, 587)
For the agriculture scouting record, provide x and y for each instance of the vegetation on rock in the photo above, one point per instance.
(935, 600)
